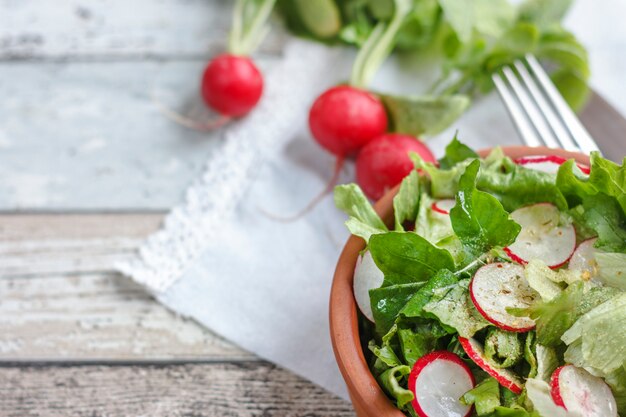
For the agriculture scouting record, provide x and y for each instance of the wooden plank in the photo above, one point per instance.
(77, 136)
(97, 317)
(96, 29)
(199, 390)
(60, 299)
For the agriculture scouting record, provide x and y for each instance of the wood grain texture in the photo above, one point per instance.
(105, 29)
(607, 126)
(201, 390)
(61, 300)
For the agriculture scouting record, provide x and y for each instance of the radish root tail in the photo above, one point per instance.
(181, 120)
(313, 203)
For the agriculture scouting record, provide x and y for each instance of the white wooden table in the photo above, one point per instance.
(88, 167)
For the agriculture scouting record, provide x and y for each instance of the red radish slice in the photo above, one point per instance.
(367, 276)
(504, 377)
(584, 258)
(443, 206)
(438, 381)
(577, 390)
(541, 236)
(498, 286)
(549, 164)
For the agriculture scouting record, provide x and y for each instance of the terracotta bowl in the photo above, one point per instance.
(367, 397)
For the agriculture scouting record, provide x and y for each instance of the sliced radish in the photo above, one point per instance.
(584, 258)
(438, 381)
(443, 206)
(504, 377)
(549, 163)
(541, 236)
(498, 286)
(577, 390)
(367, 276)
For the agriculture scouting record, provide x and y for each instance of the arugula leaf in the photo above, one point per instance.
(406, 202)
(424, 115)
(485, 396)
(415, 305)
(388, 301)
(478, 218)
(364, 221)
(456, 152)
(454, 308)
(406, 257)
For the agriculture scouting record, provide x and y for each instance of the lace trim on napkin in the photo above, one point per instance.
(290, 89)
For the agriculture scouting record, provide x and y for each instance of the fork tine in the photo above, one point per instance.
(526, 131)
(534, 114)
(579, 133)
(554, 121)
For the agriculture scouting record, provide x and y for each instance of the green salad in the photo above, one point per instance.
(500, 288)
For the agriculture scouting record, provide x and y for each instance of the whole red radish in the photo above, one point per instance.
(232, 85)
(345, 118)
(384, 162)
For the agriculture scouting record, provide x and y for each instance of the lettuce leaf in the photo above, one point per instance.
(612, 269)
(603, 215)
(406, 202)
(601, 331)
(363, 221)
(555, 317)
(609, 178)
(418, 340)
(478, 218)
(485, 396)
(392, 380)
(406, 257)
(502, 348)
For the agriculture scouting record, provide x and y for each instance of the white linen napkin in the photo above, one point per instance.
(264, 284)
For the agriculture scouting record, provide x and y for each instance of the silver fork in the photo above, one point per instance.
(538, 110)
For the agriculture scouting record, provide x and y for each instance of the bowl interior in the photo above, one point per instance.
(368, 398)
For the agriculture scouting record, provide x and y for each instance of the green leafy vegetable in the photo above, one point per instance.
(407, 257)
(321, 17)
(418, 340)
(363, 221)
(415, 305)
(612, 269)
(502, 348)
(454, 308)
(601, 331)
(424, 115)
(388, 301)
(390, 381)
(456, 152)
(555, 317)
(406, 202)
(485, 396)
(478, 218)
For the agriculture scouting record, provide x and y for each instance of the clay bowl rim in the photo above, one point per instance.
(367, 397)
